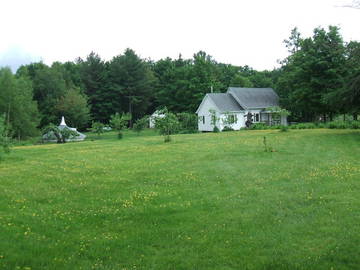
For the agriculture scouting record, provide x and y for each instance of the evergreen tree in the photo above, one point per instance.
(131, 82)
(94, 79)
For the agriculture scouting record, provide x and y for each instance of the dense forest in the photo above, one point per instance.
(319, 78)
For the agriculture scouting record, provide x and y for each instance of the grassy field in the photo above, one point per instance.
(203, 201)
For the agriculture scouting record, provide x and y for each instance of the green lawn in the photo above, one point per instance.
(203, 201)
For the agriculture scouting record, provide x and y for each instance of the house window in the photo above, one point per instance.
(213, 118)
(203, 119)
(256, 117)
(232, 119)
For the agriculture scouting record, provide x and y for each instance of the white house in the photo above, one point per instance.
(234, 105)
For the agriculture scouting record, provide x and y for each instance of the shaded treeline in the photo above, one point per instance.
(320, 77)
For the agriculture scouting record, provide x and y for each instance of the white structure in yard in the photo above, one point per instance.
(152, 117)
(50, 137)
(235, 105)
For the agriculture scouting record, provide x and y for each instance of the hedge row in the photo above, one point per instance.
(332, 125)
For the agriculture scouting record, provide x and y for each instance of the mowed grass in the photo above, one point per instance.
(203, 201)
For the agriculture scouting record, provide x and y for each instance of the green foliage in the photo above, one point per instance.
(120, 122)
(94, 77)
(332, 125)
(313, 73)
(61, 134)
(74, 107)
(16, 101)
(49, 86)
(131, 82)
(214, 120)
(276, 110)
(216, 129)
(321, 76)
(167, 125)
(141, 124)
(284, 128)
(226, 128)
(339, 125)
(259, 126)
(97, 127)
(241, 81)
(5, 140)
(188, 122)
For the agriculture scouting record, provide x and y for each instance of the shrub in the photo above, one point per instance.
(284, 128)
(275, 127)
(141, 124)
(331, 125)
(167, 125)
(338, 125)
(226, 128)
(259, 126)
(97, 128)
(188, 122)
(310, 125)
(216, 129)
(320, 125)
(4, 136)
(305, 126)
(119, 122)
(355, 124)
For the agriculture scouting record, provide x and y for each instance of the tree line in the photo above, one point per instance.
(319, 78)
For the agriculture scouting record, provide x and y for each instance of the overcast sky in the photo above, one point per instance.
(239, 32)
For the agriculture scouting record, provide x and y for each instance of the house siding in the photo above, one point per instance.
(236, 126)
(206, 106)
(204, 111)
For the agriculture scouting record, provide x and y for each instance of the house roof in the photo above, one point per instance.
(225, 102)
(254, 97)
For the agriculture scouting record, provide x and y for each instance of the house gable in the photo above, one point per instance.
(206, 104)
(222, 102)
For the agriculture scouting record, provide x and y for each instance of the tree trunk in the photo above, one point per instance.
(355, 116)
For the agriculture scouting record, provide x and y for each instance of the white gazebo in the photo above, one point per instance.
(50, 137)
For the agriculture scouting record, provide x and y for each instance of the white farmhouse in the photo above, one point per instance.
(235, 104)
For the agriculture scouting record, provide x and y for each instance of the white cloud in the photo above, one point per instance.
(233, 31)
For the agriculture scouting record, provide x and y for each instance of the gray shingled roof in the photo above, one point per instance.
(254, 97)
(225, 102)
